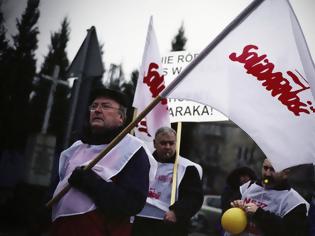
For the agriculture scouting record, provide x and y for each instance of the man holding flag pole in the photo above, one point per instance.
(103, 199)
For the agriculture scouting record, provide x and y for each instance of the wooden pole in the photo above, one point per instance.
(175, 168)
(134, 115)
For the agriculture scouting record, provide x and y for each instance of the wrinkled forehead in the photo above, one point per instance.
(166, 136)
(267, 163)
(267, 166)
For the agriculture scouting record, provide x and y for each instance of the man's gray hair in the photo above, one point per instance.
(164, 130)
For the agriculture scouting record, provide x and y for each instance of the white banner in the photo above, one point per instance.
(150, 84)
(183, 110)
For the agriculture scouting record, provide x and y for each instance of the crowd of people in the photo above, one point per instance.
(129, 191)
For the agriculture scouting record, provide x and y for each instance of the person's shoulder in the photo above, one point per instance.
(132, 139)
(298, 197)
(73, 147)
(76, 143)
(248, 184)
(190, 164)
(185, 161)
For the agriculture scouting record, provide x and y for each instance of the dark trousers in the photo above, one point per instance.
(152, 227)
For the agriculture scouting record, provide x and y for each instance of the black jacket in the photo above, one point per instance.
(190, 194)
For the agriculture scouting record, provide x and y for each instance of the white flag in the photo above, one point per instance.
(259, 76)
(150, 84)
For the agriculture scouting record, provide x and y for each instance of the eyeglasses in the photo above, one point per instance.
(103, 106)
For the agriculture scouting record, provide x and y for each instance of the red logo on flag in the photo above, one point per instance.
(155, 81)
(263, 70)
(143, 128)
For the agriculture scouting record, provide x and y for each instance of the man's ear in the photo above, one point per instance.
(122, 118)
(154, 143)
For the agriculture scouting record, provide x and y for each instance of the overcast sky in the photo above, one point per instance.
(121, 25)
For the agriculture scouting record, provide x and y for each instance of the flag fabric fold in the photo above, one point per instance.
(149, 85)
(260, 76)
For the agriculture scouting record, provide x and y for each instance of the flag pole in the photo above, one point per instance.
(241, 17)
(175, 168)
(134, 116)
(164, 93)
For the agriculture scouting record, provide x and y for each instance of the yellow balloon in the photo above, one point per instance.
(234, 220)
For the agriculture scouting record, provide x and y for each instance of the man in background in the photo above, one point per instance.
(273, 208)
(159, 217)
